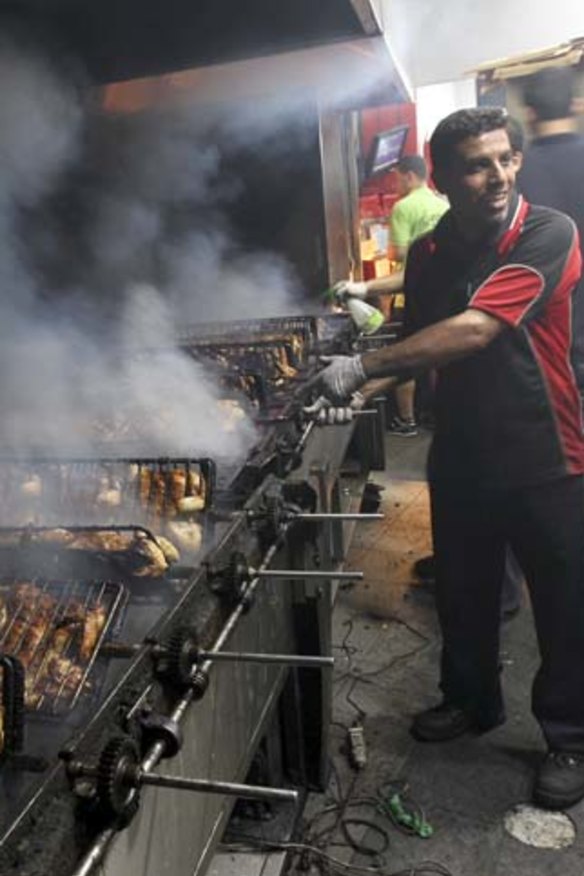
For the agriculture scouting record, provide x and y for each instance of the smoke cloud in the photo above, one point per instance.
(114, 233)
(92, 212)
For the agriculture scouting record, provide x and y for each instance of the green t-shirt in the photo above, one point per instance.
(416, 214)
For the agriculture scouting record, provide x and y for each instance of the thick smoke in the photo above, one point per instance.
(114, 234)
(40, 120)
(87, 350)
(160, 200)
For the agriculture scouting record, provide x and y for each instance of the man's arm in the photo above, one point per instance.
(453, 338)
(364, 288)
(461, 335)
(378, 386)
(392, 283)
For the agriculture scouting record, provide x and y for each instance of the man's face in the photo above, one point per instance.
(480, 180)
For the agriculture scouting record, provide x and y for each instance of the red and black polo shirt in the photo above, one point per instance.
(508, 415)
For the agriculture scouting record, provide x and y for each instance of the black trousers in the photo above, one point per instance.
(544, 525)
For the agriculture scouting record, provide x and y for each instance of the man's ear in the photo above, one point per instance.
(517, 161)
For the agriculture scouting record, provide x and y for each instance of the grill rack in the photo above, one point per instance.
(335, 332)
(253, 363)
(63, 505)
(68, 595)
(246, 330)
(389, 333)
(248, 345)
(318, 332)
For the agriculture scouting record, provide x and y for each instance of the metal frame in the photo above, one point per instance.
(367, 16)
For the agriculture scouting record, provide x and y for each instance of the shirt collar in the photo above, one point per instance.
(446, 233)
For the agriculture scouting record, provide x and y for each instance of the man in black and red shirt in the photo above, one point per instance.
(489, 306)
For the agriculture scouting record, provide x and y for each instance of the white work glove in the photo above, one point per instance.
(342, 376)
(349, 289)
(326, 414)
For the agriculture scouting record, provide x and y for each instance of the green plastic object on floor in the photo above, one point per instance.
(394, 808)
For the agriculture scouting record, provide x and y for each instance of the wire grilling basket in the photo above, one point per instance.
(55, 629)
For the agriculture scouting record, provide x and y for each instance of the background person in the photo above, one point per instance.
(416, 213)
(488, 296)
(553, 168)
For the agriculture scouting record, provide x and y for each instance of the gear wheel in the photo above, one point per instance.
(117, 797)
(228, 580)
(182, 656)
(275, 518)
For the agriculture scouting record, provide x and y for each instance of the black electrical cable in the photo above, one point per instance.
(249, 844)
(404, 623)
(324, 837)
(359, 846)
(357, 675)
(338, 810)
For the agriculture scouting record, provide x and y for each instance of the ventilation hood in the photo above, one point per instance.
(127, 39)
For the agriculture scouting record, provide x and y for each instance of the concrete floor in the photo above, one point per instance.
(387, 650)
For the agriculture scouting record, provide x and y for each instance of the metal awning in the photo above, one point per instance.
(566, 54)
(126, 39)
(344, 75)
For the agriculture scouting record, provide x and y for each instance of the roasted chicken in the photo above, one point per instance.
(54, 646)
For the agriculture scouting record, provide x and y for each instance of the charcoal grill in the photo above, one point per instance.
(264, 619)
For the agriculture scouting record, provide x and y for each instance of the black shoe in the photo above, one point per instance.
(560, 780)
(441, 723)
(447, 721)
(405, 428)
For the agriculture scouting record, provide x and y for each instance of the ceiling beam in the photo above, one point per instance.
(367, 16)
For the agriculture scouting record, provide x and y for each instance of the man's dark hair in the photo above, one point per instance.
(413, 164)
(550, 92)
(462, 124)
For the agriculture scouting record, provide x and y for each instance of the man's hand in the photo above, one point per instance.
(349, 289)
(326, 414)
(341, 378)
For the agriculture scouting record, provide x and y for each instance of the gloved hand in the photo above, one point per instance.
(327, 414)
(341, 378)
(349, 289)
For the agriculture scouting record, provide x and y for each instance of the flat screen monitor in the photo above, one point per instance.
(386, 150)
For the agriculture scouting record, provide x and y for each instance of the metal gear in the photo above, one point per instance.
(227, 581)
(118, 797)
(182, 653)
(275, 518)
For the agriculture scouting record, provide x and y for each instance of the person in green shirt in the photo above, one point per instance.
(416, 213)
(419, 208)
